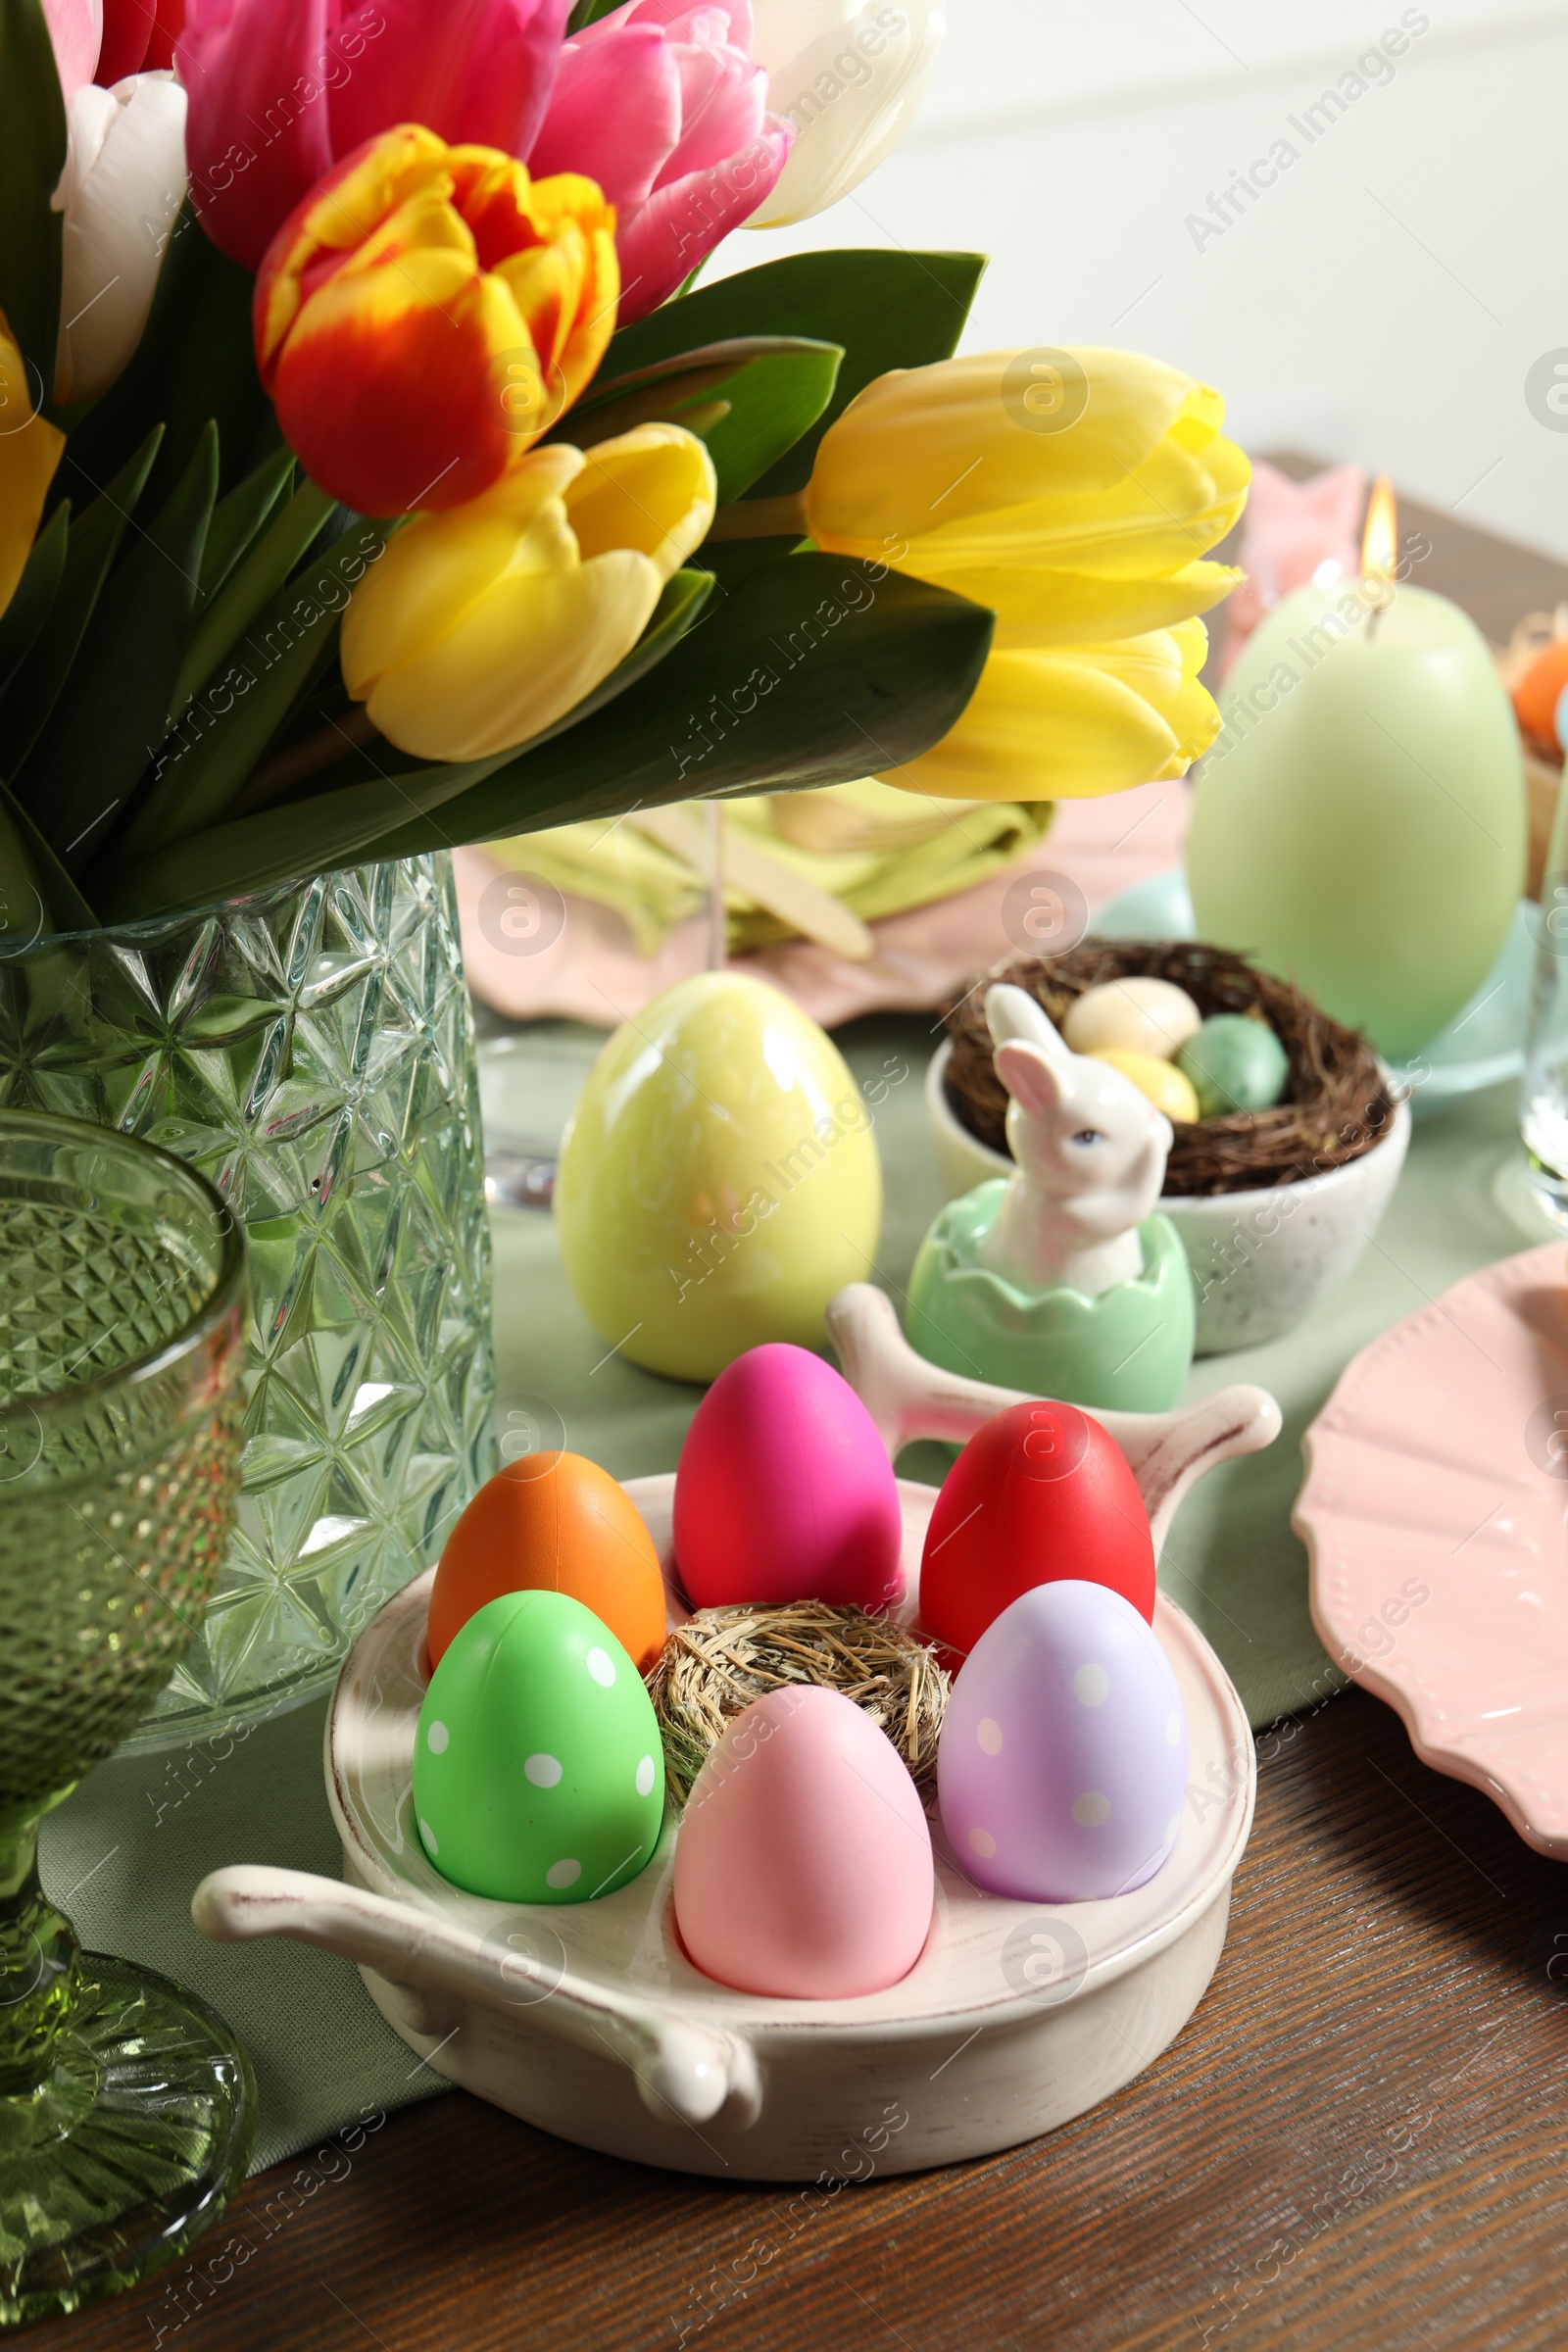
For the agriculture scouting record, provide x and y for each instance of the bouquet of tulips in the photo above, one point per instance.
(374, 477)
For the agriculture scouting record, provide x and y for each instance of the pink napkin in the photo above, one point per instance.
(587, 969)
(1293, 532)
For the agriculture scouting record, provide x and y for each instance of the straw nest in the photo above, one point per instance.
(1336, 1106)
(721, 1659)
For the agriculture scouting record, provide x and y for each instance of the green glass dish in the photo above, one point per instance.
(126, 2107)
(310, 1051)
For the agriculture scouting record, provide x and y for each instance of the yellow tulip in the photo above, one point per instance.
(29, 452)
(1068, 722)
(1074, 493)
(483, 625)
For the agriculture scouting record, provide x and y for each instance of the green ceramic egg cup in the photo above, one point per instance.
(1126, 1349)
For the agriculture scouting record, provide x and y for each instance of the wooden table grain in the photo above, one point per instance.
(1357, 2140)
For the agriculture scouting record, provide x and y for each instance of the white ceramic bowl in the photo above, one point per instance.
(588, 2019)
(1260, 1259)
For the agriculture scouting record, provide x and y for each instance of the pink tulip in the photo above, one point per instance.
(76, 33)
(283, 89)
(661, 103)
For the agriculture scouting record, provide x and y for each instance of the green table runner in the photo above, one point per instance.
(126, 1851)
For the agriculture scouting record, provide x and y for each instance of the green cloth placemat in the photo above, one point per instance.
(126, 1851)
(1232, 1562)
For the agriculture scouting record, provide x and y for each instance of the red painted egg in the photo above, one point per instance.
(1040, 1493)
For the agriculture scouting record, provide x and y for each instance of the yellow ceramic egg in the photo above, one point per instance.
(1169, 1089)
(719, 1179)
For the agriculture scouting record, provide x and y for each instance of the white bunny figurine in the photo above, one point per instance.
(1091, 1153)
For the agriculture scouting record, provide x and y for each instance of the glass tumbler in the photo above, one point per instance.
(126, 2106)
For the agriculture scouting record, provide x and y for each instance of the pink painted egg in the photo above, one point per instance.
(1061, 1769)
(803, 1862)
(784, 1492)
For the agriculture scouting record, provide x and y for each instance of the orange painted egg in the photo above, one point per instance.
(552, 1523)
(1537, 694)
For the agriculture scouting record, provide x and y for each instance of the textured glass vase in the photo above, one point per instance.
(311, 1051)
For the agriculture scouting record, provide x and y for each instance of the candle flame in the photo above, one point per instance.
(1379, 543)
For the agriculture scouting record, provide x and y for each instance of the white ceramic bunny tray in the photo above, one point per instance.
(588, 2019)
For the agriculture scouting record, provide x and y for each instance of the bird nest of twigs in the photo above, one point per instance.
(721, 1659)
(1336, 1104)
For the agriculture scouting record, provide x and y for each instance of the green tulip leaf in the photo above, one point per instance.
(91, 544)
(32, 156)
(36, 592)
(773, 387)
(827, 668)
(63, 907)
(220, 737)
(195, 361)
(279, 845)
(732, 561)
(816, 671)
(256, 584)
(887, 310)
(239, 517)
(105, 729)
(26, 914)
(350, 805)
(770, 405)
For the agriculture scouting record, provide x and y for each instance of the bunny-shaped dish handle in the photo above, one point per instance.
(908, 1397)
(682, 2069)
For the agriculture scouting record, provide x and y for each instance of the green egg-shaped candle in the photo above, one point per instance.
(1359, 826)
(538, 1774)
(1235, 1064)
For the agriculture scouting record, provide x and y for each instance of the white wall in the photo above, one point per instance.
(1383, 302)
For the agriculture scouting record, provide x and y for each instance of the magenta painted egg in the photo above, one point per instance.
(784, 1490)
(1061, 1769)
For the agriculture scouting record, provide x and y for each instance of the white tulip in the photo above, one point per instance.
(851, 78)
(122, 184)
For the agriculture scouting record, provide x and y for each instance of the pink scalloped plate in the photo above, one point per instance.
(1433, 1517)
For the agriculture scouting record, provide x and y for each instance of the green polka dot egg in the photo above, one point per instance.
(538, 1775)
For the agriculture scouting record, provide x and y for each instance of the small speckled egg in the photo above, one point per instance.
(559, 1523)
(785, 1491)
(1062, 1767)
(1162, 1081)
(538, 1774)
(1132, 1015)
(803, 1864)
(1235, 1064)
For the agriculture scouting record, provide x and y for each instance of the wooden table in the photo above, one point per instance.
(1357, 2140)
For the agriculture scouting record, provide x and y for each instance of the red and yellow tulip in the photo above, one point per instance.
(426, 312)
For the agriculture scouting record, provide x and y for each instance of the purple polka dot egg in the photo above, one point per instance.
(1062, 1768)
